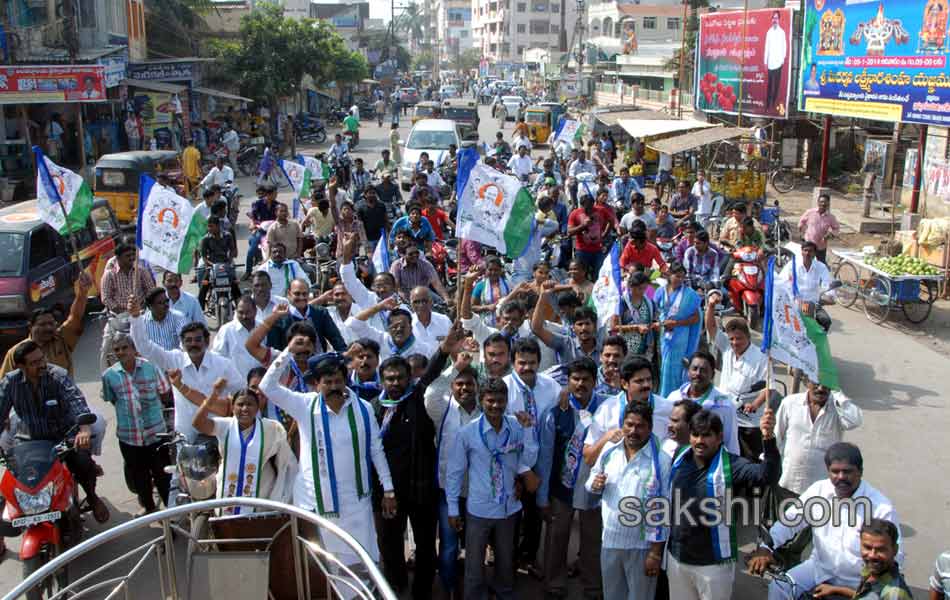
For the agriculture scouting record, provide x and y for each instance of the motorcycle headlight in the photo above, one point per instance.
(32, 504)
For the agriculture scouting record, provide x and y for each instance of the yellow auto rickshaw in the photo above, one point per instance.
(117, 178)
(426, 110)
(540, 120)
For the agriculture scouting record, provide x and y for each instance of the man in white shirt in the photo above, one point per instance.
(742, 366)
(340, 308)
(521, 165)
(220, 174)
(232, 142)
(230, 339)
(664, 173)
(335, 419)
(450, 412)
(806, 425)
(264, 301)
(199, 367)
(398, 339)
(639, 213)
(836, 545)
(702, 190)
(427, 326)
(282, 270)
(773, 57)
(700, 389)
(812, 278)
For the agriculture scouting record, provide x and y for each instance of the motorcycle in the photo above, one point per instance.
(323, 264)
(352, 139)
(778, 570)
(42, 504)
(746, 287)
(341, 167)
(221, 279)
(232, 194)
(196, 464)
(248, 157)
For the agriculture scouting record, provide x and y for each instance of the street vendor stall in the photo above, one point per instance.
(885, 283)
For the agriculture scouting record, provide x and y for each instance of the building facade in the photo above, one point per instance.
(505, 29)
(454, 28)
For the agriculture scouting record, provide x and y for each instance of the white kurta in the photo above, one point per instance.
(280, 465)
(355, 513)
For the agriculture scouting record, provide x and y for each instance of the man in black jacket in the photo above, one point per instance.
(408, 435)
(300, 310)
(704, 475)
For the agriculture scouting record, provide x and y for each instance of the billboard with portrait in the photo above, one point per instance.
(763, 55)
(59, 83)
(883, 60)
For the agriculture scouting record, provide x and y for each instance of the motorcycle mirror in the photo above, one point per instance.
(758, 386)
(86, 419)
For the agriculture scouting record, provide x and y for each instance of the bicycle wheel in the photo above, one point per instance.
(876, 294)
(783, 180)
(918, 310)
(847, 274)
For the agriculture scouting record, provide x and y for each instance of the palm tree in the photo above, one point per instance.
(413, 21)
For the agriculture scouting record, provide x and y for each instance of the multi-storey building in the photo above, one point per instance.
(504, 29)
(454, 27)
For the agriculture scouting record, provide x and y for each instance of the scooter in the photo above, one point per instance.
(746, 287)
(42, 503)
(778, 571)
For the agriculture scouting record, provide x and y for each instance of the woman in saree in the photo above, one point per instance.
(490, 290)
(637, 317)
(256, 459)
(678, 308)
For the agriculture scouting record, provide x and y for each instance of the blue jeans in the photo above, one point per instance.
(449, 544)
(253, 248)
(591, 260)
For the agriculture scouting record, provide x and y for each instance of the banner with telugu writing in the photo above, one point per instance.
(883, 60)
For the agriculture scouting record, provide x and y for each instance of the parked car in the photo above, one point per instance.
(38, 266)
(433, 136)
(408, 95)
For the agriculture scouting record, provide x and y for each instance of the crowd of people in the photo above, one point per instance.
(492, 425)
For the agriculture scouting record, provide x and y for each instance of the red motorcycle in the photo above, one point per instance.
(42, 504)
(747, 284)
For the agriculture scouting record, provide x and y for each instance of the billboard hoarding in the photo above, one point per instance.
(884, 60)
(763, 57)
(55, 83)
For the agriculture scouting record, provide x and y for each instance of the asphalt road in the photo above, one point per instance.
(895, 378)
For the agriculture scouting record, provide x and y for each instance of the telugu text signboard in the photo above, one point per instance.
(42, 84)
(882, 60)
(764, 56)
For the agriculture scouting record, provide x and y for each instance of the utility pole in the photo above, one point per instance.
(679, 81)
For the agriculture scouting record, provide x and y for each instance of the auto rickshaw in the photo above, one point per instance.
(117, 178)
(557, 109)
(465, 114)
(426, 110)
(540, 123)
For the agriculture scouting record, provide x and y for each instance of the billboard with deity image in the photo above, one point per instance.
(763, 55)
(882, 60)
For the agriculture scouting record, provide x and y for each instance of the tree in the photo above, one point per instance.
(413, 22)
(692, 33)
(273, 53)
(169, 22)
(423, 60)
(468, 60)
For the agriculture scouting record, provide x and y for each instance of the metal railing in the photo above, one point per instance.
(341, 578)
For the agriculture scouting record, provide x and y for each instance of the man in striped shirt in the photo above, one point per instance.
(162, 324)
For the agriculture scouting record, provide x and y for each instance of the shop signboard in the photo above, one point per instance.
(883, 60)
(763, 56)
(162, 71)
(59, 83)
(114, 68)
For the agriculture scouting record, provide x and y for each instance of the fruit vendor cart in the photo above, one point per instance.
(885, 283)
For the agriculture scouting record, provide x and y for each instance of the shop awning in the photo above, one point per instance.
(650, 128)
(154, 86)
(611, 119)
(220, 94)
(682, 143)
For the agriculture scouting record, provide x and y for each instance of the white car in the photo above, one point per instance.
(513, 105)
(433, 136)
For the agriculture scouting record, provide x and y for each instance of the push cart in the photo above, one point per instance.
(880, 292)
